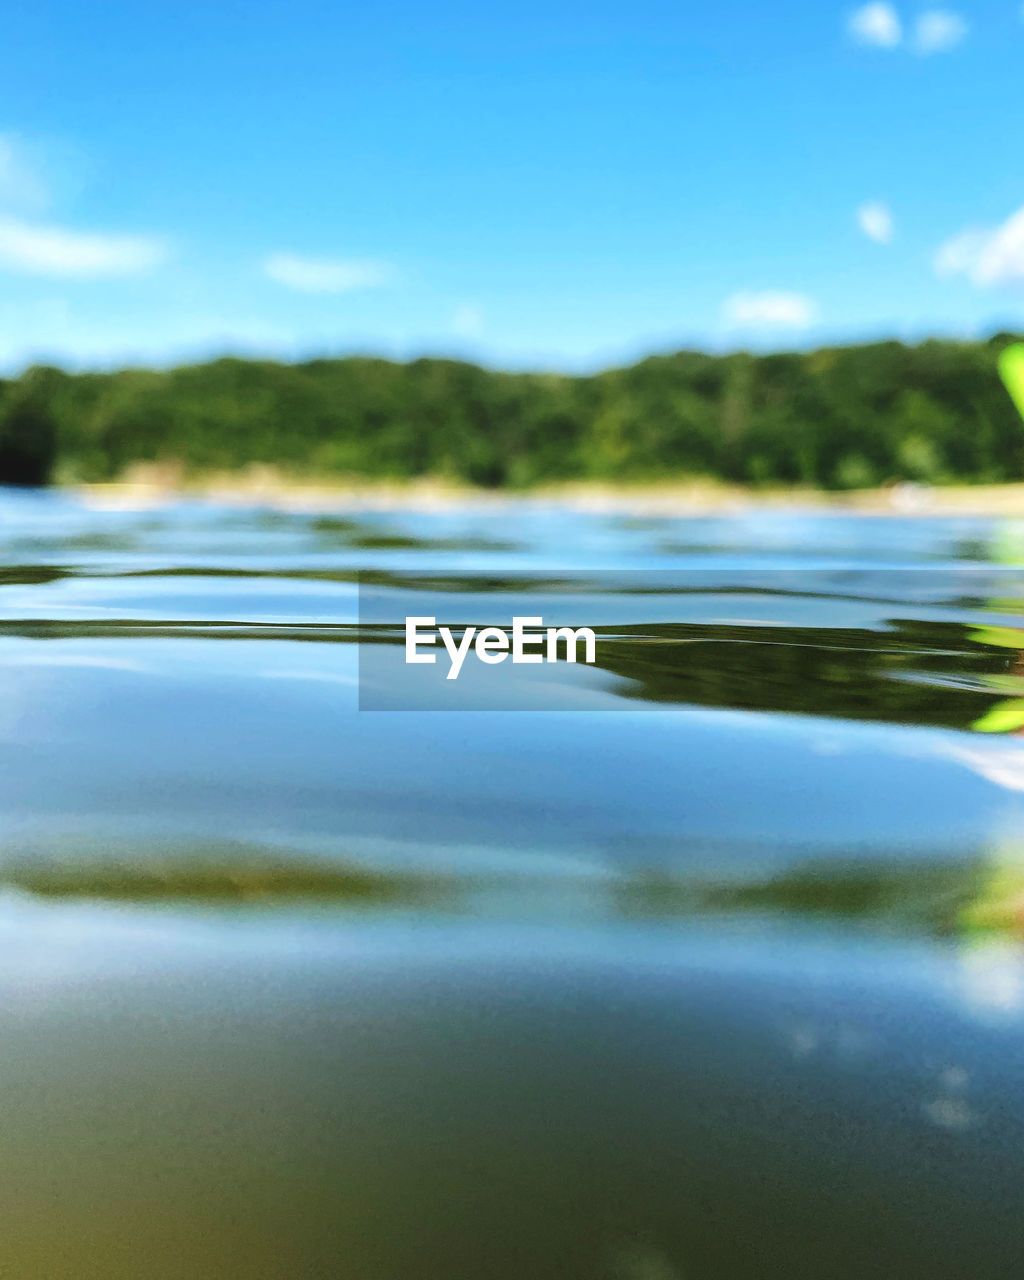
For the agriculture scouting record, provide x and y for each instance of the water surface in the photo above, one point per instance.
(704, 962)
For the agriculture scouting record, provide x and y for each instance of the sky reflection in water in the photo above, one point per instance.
(711, 968)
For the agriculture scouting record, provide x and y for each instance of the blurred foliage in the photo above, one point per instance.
(843, 417)
(913, 672)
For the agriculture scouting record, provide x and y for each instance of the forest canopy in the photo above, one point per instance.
(839, 417)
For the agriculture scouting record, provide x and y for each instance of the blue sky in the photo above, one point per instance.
(562, 185)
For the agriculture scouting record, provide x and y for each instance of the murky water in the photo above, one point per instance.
(702, 963)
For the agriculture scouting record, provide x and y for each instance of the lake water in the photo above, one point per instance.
(700, 963)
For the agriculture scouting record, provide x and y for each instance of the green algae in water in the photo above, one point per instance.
(245, 880)
(998, 906)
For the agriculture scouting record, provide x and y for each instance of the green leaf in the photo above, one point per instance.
(998, 637)
(1011, 369)
(1004, 717)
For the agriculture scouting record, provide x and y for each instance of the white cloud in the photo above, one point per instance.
(467, 321)
(38, 250)
(875, 220)
(937, 31)
(773, 310)
(876, 24)
(326, 275)
(989, 258)
(959, 255)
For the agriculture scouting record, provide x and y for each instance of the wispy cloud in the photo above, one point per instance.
(990, 257)
(937, 31)
(769, 310)
(327, 275)
(21, 185)
(875, 220)
(467, 321)
(81, 331)
(876, 24)
(879, 25)
(44, 250)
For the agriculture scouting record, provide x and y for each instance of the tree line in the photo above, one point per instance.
(839, 417)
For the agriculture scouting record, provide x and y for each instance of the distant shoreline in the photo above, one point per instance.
(155, 486)
(840, 420)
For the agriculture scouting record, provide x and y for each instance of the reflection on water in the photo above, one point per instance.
(722, 978)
